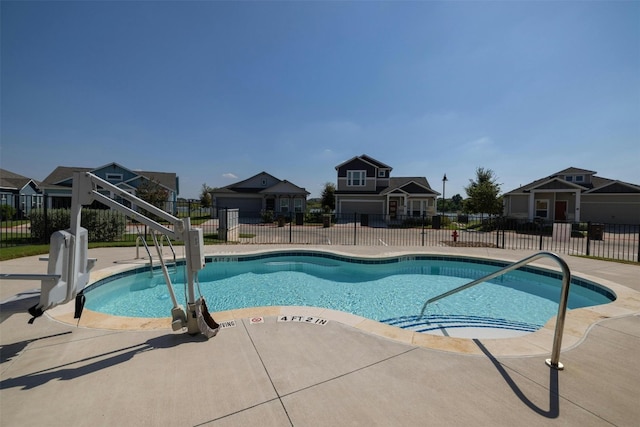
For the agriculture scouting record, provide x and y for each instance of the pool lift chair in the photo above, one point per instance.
(69, 265)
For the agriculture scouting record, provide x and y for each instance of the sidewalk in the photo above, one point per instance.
(297, 374)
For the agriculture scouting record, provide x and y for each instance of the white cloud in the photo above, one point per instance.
(229, 175)
(483, 143)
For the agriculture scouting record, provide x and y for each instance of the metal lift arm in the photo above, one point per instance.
(69, 265)
(85, 191)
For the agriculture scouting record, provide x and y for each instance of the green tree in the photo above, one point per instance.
(152, 192)
(455, 205)
(483, 193)
(205, 196)
(327, 197)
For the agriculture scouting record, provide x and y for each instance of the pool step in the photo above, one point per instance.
(438, 322)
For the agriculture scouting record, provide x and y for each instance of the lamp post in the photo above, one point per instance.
(444, 180)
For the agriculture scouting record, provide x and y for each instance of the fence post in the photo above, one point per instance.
(497, 232)
(424, 214)
(45, 213)
(588, 238)
(638, 243)
(355, 229)
(541, 231)
(290, 228)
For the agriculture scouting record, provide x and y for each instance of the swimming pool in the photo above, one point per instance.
(389, 290)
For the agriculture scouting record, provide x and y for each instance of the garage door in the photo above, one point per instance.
(368, 207)
(248, 208)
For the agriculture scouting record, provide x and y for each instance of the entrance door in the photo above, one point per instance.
(393, 209)
(561, 210)
(271, 204)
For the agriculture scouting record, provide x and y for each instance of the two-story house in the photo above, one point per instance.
(365, 186)
(575, 195)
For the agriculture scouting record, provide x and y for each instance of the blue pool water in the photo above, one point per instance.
(390, 290)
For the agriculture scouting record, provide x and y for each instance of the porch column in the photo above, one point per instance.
(577, 211)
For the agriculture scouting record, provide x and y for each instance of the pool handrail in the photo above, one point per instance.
(553, 362)
(144, 242)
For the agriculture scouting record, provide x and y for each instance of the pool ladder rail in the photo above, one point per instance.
(140, 238)
(554, 361)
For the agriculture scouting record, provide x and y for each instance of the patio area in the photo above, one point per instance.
(300, 374)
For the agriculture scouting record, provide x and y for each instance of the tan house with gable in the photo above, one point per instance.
(575, 195)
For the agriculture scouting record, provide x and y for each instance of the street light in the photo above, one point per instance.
(444, 180)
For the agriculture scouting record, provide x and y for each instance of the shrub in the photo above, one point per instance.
(267, 217)
(102, 225)
(313, 218)
(412, 222)
(7, 212)
(57, 219)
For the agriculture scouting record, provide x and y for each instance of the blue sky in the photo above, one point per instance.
(220, 91)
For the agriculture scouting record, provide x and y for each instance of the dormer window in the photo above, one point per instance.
(356, 178)
(579, 178)
(381, 174)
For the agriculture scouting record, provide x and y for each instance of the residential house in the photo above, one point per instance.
(20, 192)
(365, 186)
(260, 193)
(59, 182)
(575, 195)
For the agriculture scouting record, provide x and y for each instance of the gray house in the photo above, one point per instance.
(365, 186)
(260, 193)
(59, 182)
(19, 192)
(575, 195)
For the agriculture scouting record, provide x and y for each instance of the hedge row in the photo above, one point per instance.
(103, 225)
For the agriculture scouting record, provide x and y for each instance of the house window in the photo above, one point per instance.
(114, 177)
(264, 182)
(380, 174)
(356, 178)
(569, 178)
(542, 208)
(297, 205)
(579, 178)
(284, 205)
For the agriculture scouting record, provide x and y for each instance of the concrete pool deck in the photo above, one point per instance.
(348, 371)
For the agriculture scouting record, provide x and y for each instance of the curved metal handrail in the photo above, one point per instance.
(562, 304)
(163, 236)
(144, 242)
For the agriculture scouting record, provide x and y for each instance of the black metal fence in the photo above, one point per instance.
(613, 241)
(621, 242)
